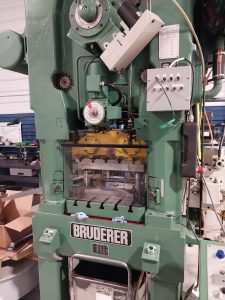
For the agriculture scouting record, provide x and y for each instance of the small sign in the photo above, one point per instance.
(169, 42)
(101, 234)
(100, 249)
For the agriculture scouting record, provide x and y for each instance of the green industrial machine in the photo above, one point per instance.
(114, 86)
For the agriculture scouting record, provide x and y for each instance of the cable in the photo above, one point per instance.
(184, 196)
(208, 75)
(195, 36)
(187, 209)
(170, 123)
(192, 70)
(196, 237)
(140, 279)
(210, 127)
(202, 127)
(201, 202)
(202, 141)
(116, 89)
(88, 65)
(199, 131)
(189, 222)
(213, 206)
(78, 98)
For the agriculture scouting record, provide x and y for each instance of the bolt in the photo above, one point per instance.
(58, 189)
(47, 234)
(84, 8)
(150, 250)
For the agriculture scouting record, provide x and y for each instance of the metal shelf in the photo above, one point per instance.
(25, 179)
(16, 146)
(10, 163)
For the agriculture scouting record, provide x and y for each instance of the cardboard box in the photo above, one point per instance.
(17, 217)
(21, 252)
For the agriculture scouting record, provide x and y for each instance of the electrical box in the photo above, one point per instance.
(169, 89)
(216, 272)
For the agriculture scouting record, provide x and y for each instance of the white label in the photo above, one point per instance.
(103, 297)
(169, 42)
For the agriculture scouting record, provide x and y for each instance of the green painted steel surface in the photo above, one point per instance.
(12, 52)
(55, 44)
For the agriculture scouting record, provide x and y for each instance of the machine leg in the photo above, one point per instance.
(165, 291)
(53, 279)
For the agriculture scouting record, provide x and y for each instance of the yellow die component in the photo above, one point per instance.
(111, 138)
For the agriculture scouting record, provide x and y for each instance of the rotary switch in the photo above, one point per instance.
(94, 112)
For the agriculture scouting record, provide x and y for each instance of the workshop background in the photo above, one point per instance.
(19, 277)
(14, 87)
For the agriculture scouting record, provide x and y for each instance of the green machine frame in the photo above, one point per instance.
(54, 44)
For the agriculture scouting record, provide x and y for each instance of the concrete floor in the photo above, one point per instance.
(190, 273)
(34, 295)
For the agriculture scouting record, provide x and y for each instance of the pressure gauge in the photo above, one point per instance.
(94, 112)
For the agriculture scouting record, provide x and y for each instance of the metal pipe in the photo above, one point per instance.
(217, 88)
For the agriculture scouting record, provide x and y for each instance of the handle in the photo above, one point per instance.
(102, 260)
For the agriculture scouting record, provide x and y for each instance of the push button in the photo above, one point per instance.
(220, 254)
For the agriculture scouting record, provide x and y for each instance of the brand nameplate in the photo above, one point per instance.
(101, 234)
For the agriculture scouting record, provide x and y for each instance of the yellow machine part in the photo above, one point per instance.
(113, 138)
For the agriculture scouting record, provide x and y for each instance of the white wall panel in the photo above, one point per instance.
(14, 88)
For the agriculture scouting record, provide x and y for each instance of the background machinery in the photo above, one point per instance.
(118, 90)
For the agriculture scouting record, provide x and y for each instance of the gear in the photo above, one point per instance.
(62, 81)
(65, 82)
(143, 76)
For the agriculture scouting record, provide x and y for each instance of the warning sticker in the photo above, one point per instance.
(169, 42)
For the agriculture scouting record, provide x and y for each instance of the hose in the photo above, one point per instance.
(13, 245)
(117, 90)
(194, 34)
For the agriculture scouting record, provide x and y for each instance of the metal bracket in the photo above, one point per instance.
(49, 243)
(151, 254)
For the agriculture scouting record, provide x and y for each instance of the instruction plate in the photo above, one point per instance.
(169, 42)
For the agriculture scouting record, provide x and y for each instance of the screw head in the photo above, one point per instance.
(150, 250)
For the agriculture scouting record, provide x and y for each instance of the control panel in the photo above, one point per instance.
(169, 89)
(216, 272)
